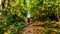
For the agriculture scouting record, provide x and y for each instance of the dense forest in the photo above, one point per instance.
(44, 16)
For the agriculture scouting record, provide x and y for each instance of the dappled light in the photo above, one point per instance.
(29, 16)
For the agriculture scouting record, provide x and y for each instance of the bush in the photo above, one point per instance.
(14, 13)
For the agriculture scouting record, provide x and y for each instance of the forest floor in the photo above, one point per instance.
(38, 28)
(35, 28)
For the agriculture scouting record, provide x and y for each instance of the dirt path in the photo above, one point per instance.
(31, 29)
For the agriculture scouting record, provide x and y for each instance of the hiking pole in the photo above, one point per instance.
(28, 7)
(28, 16)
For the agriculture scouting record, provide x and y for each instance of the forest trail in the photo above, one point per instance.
(34, 29)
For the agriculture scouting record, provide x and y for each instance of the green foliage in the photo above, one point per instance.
(15, 11)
